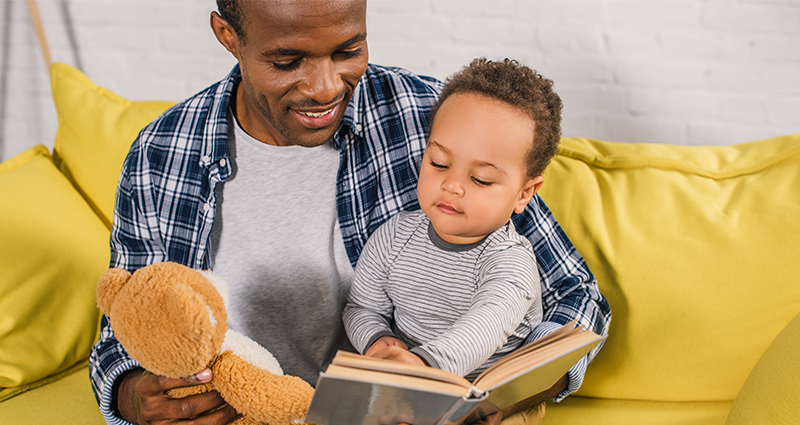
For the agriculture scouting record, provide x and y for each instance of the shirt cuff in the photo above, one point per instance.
(106, 396)
(374, 338)
(426, 357)
(575, 374)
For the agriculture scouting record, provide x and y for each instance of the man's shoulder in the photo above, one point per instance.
(195, 116)
(393, 106)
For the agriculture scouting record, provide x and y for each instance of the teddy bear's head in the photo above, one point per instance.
(167, 316)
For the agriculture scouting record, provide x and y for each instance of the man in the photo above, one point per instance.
(274, 178)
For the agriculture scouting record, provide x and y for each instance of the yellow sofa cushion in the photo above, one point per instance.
(771, 394)
(95, 131)
(696, 250)
(53, 249)
(577, 410)
(69, 401)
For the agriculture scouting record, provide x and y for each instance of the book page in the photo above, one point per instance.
(581, 342)
(358, 361)
(527, 358)
(395, 380)
(527, 384)
(565, 331)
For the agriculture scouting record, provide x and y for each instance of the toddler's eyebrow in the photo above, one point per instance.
(444, 149)
(479, 163)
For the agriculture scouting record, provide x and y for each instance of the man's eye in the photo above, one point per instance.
(351, 53)
(438, 166)
(286, 65)
(480, 182)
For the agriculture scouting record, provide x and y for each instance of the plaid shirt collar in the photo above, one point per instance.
(216, 129)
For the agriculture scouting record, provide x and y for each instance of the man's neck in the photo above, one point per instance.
(249, 120)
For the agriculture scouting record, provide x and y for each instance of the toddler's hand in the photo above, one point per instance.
(383, 342)
(398, 354)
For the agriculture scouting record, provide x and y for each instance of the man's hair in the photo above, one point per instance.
(522, 88)
(231, 12)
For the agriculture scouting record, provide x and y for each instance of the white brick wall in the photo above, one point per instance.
(693, 72)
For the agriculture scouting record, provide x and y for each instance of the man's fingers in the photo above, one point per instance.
(201, 408)
(194, 405)
(225, 415)
(153, 384)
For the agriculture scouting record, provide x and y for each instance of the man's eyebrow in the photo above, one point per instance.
(353, 40)
(298, 52)
(282, 52)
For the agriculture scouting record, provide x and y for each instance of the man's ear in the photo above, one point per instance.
(225, 34)
(526, 193)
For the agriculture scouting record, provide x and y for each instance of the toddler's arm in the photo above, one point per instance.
(368, 312)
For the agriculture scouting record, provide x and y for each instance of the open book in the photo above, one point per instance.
(358, 390)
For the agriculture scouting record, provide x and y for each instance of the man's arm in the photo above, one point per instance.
(134, 244)
(569, 290)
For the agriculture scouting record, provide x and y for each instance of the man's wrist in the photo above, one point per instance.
(122, 391)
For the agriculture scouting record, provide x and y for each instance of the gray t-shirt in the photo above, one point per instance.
(277, 243)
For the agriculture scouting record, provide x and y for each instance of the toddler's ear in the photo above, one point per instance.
(526, 193)
(109, 287)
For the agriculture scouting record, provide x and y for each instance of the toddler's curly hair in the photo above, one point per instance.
(521, 87)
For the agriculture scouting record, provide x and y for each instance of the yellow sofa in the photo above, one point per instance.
(696, 248)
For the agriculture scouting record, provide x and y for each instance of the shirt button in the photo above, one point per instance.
(206, 207)
(222, 162)
(205, 159)
(358, 128)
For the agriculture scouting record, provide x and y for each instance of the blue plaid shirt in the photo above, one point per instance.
(166, 201)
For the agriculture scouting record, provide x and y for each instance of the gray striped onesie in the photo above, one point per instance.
(458, 307)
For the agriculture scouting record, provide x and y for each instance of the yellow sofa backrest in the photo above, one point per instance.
(96, 128)
(696, 249)
(54, 225)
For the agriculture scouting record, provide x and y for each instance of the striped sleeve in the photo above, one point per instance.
(508, 289)
(368, 312)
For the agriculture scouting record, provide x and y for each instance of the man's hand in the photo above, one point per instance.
(142, 399)
(527, 404)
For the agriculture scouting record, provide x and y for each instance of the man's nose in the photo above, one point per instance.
(322, 82)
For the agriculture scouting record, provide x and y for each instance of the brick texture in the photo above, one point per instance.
(691, 72)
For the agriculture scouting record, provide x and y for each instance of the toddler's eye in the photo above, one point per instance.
(438, 166)
(480, 182)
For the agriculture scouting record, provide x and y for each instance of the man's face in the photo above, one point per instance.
(300, 63)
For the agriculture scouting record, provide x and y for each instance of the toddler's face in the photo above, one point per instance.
(473, 173)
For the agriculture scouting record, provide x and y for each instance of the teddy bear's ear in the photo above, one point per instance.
(109, 286)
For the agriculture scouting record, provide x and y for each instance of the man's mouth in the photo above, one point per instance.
(316, 119)
(316, 114)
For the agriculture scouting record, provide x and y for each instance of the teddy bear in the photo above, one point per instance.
(172, 320)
